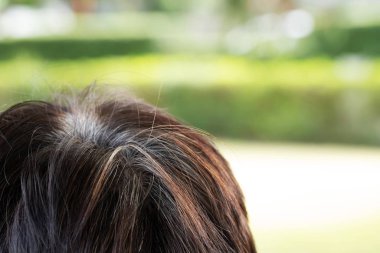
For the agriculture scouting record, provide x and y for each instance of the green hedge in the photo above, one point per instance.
(337, 41)
(343, 115)
(280, 100)
(328, 42)
(66, 48)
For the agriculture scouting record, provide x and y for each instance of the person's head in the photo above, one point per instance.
(98, 174)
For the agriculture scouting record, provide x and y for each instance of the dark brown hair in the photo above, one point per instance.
(113, 175)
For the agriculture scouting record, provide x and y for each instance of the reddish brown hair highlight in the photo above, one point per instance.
(99, 174)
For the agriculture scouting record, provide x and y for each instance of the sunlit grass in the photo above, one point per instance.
(155, 69)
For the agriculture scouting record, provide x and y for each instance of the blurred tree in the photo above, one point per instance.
(167, 5)
(262, 6)
(83, 5)
(24, 2)
(237, 5)
(142, 5)
(3, 3)
(246, 8)
(238, 8)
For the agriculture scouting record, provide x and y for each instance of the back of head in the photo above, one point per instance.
(113, 175)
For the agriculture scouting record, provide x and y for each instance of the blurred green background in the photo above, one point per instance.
(249, 71)
(281, 70)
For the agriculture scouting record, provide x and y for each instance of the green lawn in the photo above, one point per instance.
(156, 69)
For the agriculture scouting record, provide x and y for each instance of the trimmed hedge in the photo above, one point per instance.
(328, 42)
(337, 41)
(302, 114)
(344, 115)
(66, 48)
(287, 100)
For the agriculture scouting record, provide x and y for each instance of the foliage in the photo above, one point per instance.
(328, 42)
(72, 48)
(297, 100)
(26, 2)
(337, 41)
(279, 113)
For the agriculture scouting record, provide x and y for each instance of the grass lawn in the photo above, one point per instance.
(156, 69)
